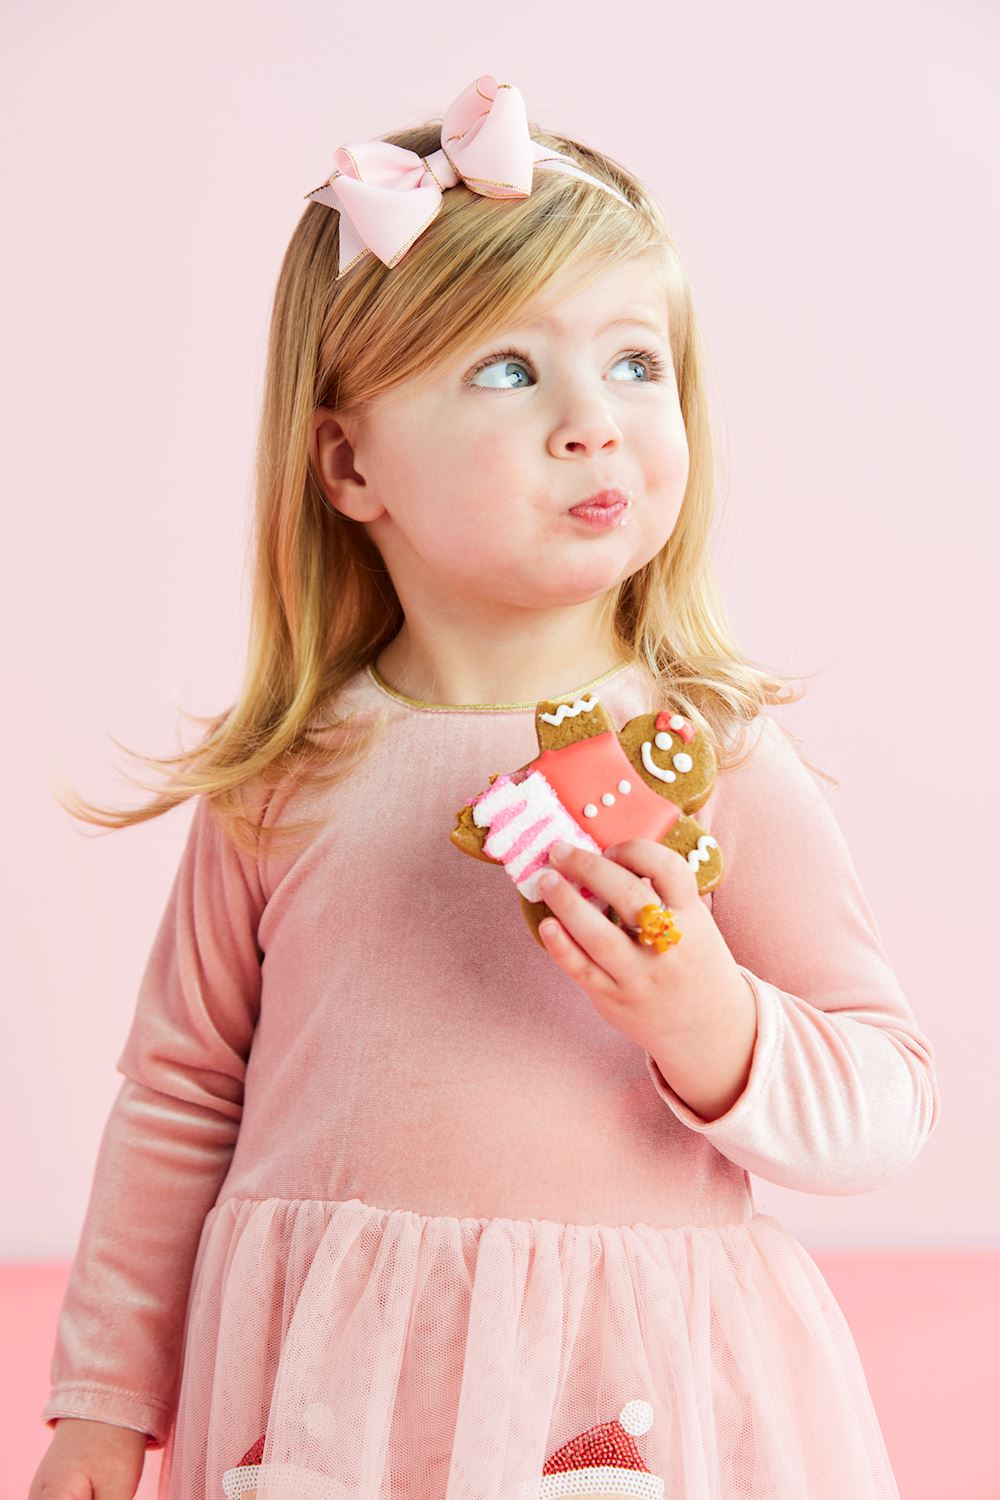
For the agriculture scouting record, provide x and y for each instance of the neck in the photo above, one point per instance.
(459, 673)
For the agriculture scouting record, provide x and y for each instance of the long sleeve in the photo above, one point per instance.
(842, 1093)
(166, 1145)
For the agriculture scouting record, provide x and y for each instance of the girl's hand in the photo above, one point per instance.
(649, 996)
(90, 1460)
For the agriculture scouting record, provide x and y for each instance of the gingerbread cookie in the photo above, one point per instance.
(594, 786)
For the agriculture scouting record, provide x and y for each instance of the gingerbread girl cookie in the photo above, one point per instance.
(594, 786)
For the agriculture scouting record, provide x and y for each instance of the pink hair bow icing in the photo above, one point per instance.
(388, 195)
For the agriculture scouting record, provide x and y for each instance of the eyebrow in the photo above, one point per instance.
(636, 319)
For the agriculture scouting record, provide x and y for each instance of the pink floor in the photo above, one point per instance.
(927, 1326)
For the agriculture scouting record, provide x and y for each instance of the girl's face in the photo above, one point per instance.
(465, 481)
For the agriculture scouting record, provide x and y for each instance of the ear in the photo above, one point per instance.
(331, 458)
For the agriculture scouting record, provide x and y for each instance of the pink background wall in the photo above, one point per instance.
(826, 174)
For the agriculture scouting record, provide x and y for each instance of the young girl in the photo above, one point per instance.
(397, 1202)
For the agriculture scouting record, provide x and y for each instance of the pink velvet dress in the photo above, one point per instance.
(385, 1210)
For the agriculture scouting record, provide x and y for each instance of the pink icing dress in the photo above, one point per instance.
(385, 1210)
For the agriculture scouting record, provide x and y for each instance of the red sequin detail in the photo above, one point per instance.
(607, 1443)
(253, 1455)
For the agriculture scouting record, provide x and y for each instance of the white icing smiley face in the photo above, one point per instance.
(681, 762)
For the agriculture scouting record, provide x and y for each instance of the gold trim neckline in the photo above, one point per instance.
(472, 708)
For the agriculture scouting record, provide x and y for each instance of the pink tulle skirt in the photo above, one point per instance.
(336, 1349)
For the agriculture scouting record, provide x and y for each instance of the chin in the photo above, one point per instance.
(578, 583)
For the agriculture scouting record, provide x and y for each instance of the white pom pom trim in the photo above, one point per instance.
(636, 1417)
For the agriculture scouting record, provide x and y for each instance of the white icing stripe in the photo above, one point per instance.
(540, 801)
(701, 855)
(564, 711)
(660, 772)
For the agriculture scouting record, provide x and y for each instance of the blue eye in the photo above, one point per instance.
(515, 356)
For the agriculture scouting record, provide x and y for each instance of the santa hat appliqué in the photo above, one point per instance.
(604, 1460)
(250, 1471)
(244, 1475)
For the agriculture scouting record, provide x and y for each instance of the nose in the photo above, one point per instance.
(588, 427)
(595, 434)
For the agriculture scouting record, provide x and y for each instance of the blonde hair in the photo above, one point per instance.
(322, 602)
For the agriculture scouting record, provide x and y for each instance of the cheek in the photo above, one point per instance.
(677, 476)
(478, 501)
(667, 466)
(463, 518)
(496, 470)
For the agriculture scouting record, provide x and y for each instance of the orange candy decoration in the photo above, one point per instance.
(656, 927)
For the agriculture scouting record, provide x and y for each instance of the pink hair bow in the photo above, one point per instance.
(388, 195)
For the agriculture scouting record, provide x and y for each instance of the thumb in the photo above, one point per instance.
(116, 1479)
(66, 1482)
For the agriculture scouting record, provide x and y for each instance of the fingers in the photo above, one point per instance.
(623, 874)
(573, 959)
(586, 943)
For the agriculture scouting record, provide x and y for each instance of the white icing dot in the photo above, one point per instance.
(608, 798)
(590, 811)
(663, 741)
(682, 762)
(676, 721)
(624, 787)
